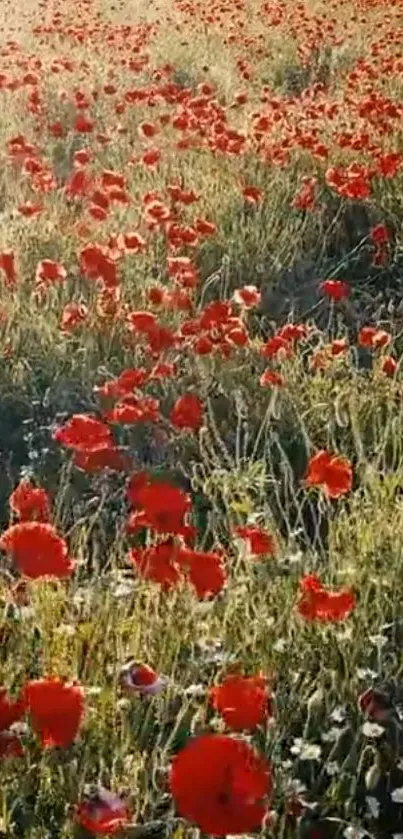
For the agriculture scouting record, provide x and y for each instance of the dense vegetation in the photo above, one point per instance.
(201, 424)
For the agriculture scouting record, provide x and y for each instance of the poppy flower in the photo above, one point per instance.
(48, 271)
(30, 209)
(203, 345)
(332, 473)
(136, 483)
(29, 502)
(252, 194)
(56, 710)
(131, 410)
(124, 384)
(158, 563)
(380, 235)
(132, 242)
(277, 347)
(7, 264)
(221, 784)
(83, 433)
(151, 157)
(248, 296)
(164, 505)
(260, 541)
(11, 710)
(83, 125)
(335, 289)
(389, 365)
(102, 457)
(187, 413)
(73, 315)
(141, 679)
(305, 199)
(270, 377)
(338, 346)
(293, 332)
(318, 603)
(243, 701)
(373, 338)
(376, 705)
(147, 129)
(163, 370)
(37, 550)
(102, 813)
(205, 571)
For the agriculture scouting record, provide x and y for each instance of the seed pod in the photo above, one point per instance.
(372, 777)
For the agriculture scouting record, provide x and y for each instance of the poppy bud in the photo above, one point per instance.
(372, 777)
(375, 704)
(140, 678)
(102, 812)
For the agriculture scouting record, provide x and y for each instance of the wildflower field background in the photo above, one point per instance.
(201, 419)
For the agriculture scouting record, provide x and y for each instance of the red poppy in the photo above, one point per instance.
(141, 679)
(370, 336)
(83, 433)
(132, 242)
(376, 705)
(389, 365)
(7, 264)
(30, 209)
(305, 199)
(124, 384)
(132, 409)
(48, 271)
(293, 332)
(37, 550)
(83, 125)
(136, 483)
(270, 377)
(248, 296)
(187, 413)
(205, 571)
(221, 784)
(260, 541)
(56, 710)
(164, 505)
(102, 457)
(318, 603)
(147, 129)
(10, 710)
(29, 502)
(252, 194)
(203, 345)
(151, 157)
(334, 474)
(335, 289)
(277, 347)
(163, 370)
(103, 813)
(380, 235)
(159, 564)
(244, 702)
(73, 315)
(142, 321)
(338, 346)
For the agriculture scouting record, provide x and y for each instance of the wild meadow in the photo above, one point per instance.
(201, 419)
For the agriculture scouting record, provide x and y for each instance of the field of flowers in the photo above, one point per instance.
(201, 419)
